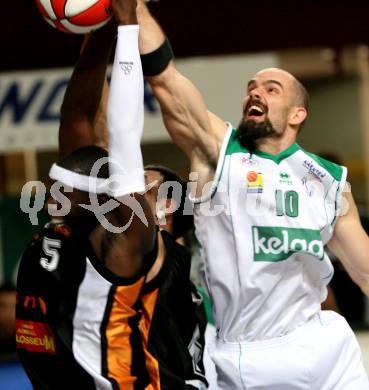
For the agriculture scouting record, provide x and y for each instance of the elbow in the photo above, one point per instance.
(363, 282)
(365, 287)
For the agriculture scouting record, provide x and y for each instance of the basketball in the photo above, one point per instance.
(75, 16)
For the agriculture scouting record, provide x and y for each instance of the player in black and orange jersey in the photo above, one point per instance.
(173, 321)
(80, 280)
(171, 326)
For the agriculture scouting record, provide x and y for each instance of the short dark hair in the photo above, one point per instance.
(302, 98)
(302, 95)
(182, 224)
(82, 160)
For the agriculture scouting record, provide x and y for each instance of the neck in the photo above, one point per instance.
(167, 225)
(159, 259)
(276, 145)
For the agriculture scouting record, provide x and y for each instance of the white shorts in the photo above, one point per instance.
(323, 354)
(210, 372)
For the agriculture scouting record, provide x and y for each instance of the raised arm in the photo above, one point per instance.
(80, 120)
(350, 244)
(126, 250)
(195, 130)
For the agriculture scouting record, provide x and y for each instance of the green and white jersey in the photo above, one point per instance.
(262, 230)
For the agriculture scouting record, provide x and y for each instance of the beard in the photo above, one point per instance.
(249, 133)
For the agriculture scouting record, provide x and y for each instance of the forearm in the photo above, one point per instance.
(169, 86)
(100, 126)
(83, 94)
(125, 113)
(125, 126)
(184, 110)
(350, 244)
(151, 34)
(360, 278)
(364, 286)
(358, 275)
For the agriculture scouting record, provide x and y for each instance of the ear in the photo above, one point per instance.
(297, 116)
(170, 204)
(160, 214)
(163, 208)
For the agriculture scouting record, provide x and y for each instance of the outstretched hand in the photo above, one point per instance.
(124, 11)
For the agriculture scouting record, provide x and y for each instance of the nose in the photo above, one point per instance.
(252, 95)
(255, 94)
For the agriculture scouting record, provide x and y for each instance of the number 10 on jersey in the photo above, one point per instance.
(287, 203)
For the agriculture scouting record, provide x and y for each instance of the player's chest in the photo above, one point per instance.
(282, 192)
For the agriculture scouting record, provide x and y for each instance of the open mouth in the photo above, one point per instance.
(255, 112)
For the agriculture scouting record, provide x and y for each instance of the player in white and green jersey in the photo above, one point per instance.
(280, 211)
(264, 210)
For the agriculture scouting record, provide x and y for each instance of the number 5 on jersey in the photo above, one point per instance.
(287, 204)
(50, 248)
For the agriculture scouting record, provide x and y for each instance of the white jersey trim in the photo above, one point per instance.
(340, 191)
(92, 299)
(218, 172)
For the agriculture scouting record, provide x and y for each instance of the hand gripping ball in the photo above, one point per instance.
(75, 16)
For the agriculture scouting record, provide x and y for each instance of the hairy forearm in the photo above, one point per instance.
(151, 34)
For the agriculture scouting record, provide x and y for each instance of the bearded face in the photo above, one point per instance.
(255, 125)
(250, 132)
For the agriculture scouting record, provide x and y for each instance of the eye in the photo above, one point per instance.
(272, 90)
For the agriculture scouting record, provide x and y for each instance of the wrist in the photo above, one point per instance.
(157, 61)
(127, 27)
(124, 11)
(126, 21)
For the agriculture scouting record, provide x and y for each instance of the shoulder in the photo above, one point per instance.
(59, 230)
(172, 246)
(51, 239)
(231, 143)
(319, 166)
(178, 257)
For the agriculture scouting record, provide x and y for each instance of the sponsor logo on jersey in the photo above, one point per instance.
(35, 337)
(254, 182)
(275, 243)
(248, 161)
(313, 170)
(285, 178)
(29, 302)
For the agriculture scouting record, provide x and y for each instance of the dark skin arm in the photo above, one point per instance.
(83, 111)
(81, 102)
(83, 117)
